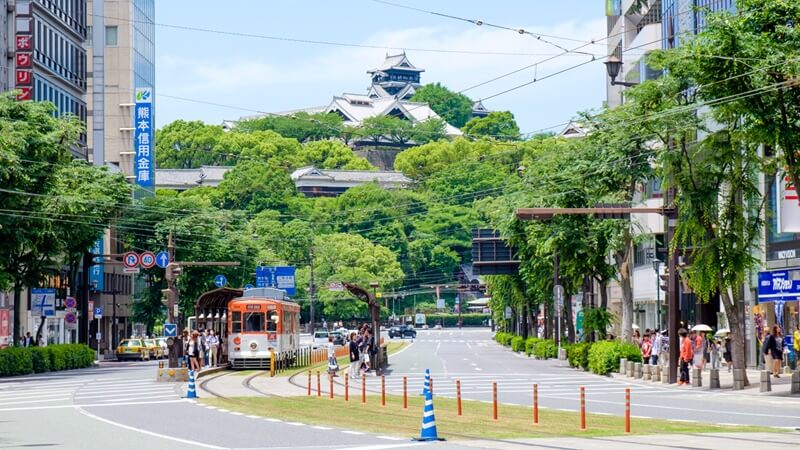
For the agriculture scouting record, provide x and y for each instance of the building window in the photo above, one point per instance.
(89, 35)
(111, 36)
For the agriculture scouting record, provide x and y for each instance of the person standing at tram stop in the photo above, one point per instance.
(193, 350)
(647, 348)
(355, 361)
(774, 348)
(686, 356)
(212, 344)
(333, 364)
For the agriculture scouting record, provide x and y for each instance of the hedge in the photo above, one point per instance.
(578, 354)
(451, 320)
(23, 361)
(530, 344)
(517, 344)
(503, 338)
(604, 356)
(545, 349)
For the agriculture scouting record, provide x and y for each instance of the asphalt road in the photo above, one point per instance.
(120, 406)
(473, 357)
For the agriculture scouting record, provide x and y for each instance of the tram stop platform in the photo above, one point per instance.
(246, 383)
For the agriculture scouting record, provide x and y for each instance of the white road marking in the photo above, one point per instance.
(138, 398)
(391, 438)
(235, 413)
(149, 433)
(319, 427)
(59, 399)
(270, 419)
(386, 446)
(297, 424)
(352, 432)
(253, 417)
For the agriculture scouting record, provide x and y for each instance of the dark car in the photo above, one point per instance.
(338, 338)
(402, 331)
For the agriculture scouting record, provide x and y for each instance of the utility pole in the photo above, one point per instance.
(673, 314)
(311, 291)
(83, 319)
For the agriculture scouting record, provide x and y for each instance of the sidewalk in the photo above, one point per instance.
(728, 441)
(781, 387)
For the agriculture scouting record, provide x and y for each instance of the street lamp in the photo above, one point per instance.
(656, 267)
(613, 66)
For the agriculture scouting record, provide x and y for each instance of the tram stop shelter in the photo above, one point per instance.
(211, 314)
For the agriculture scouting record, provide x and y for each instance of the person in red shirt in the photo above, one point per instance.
(647, 348)
(685, 357)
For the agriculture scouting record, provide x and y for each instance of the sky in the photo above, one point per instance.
(227, 73)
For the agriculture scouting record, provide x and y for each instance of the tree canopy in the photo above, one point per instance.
(454, 108)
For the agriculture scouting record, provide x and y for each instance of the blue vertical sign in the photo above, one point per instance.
(96, 273)
(143, 143)
(276, 277)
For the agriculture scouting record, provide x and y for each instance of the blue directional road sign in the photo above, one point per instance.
(170, 330)
(276, 277)
(162, 259)
(43, 302)
(248, 287)
(220, 280)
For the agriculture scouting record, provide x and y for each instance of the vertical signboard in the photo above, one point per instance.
(788, 206)
(97, 272)
(143, 137)
(23, 47)
(5, 328)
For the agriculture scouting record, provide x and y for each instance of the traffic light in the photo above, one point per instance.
(664, 280)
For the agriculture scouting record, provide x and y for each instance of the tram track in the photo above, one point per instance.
(247, 383)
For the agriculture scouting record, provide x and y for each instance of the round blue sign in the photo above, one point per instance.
(162, 259)
(220, 281)
(247, 287)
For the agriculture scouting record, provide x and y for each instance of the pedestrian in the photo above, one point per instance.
(727, 353)
(185, 340)
(28, 340)
(656, 348)
(204, 347)
(355, 360)
(193, 350)
(767, 355)
(686, 356)
(775, 349)
(713, 350)
(647, 348)
(698, 348)
(796, 344)
(364, 348)
(212, 342)
(333, 364)
(637, 338)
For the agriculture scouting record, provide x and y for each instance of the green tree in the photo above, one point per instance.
(386, 128)
(454, 108)
(54, 208)
(256, 186)
(331, 155)
(498, 124)
(301, 125)
(430, 130)
(186, 145)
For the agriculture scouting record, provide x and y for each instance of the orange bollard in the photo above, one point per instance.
(309, 383)
(536, 404)
(431, 386)
(383, 390)
(405, 393)
(458, 395)
(627, 410)
(583, 408)
(319, 385)
(347, 387)
(331, 387)
(363, 389)
(494, 400)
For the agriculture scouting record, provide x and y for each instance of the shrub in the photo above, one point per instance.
(578, 354)
(518, 344)
(545, 349)
(451, 320)
(503, 338)
(22, 361)
(530, 344)
(604, 356)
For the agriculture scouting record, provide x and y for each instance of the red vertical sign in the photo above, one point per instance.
(5, 328)
(23, 44)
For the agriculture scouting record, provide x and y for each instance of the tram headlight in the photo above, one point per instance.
(253, 345)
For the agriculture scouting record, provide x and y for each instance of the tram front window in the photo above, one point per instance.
(253, 322)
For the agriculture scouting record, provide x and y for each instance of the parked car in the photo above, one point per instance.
(154, 349)
(320, 339)
(338, 338)
(402, 331)
(132, 349)
(162, 342)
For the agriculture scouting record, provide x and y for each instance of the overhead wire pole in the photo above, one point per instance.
(311, 290)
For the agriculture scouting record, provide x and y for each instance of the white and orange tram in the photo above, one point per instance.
(260, 323)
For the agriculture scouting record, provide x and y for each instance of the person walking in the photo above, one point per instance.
(647, 348)
(775, 349)
(355, 360)
(686, 356)
(766, 354)
(193, 350)
(657, 340)
(698, 348)
(727, 353)
(333, 364)
(212, 342)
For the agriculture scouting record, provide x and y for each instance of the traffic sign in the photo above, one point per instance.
(71, 319)
(220, 281)
(98, 312)
(170, 329)
(558, 293)
(335, 286)
(247, 287)
(43, 302)
(130, 260)
(131, 270)
(70, 303)
(162, 259)
(147, 260)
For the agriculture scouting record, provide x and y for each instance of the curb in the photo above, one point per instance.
(213, 370)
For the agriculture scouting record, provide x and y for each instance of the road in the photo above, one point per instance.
(120, 406)
(473, 357)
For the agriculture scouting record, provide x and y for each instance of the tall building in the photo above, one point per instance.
(123, 48)
(49, 59)
(6, 31)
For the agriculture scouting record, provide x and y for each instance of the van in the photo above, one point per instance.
(320, 339)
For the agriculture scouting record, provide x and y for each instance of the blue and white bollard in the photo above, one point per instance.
(191, 392)
(428, 431)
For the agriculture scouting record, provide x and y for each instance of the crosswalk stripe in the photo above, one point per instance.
(36, 401)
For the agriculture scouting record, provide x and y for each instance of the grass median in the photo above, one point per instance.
(476, 422)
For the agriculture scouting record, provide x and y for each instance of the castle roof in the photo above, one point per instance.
(396, 62)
